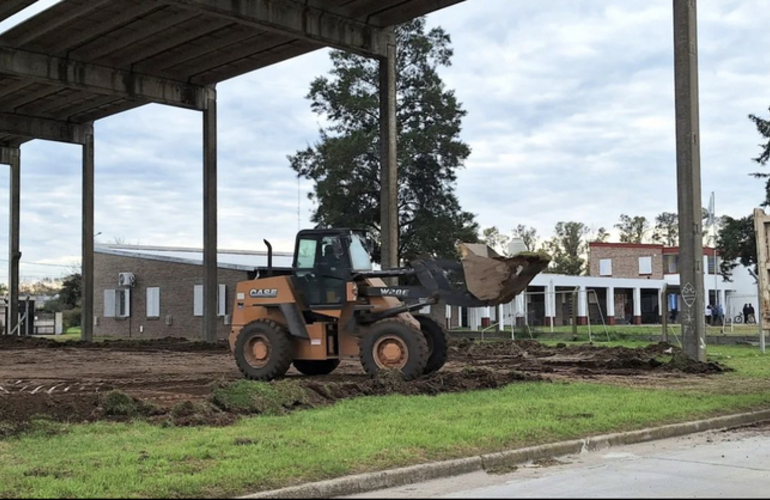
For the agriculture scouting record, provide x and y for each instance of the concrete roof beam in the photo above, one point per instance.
(41, 128)
(100, 79)
(296, 20)
(11, 7)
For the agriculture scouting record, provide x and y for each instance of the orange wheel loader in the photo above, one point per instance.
(332, 305)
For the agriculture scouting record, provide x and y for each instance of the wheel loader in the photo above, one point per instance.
(332, 305)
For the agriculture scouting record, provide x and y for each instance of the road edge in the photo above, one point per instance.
(370, 481)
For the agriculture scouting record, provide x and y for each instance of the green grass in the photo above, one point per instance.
(372, 433)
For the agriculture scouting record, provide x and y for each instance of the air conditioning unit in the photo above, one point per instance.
(126, 279)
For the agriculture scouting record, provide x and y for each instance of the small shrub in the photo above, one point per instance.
(119, 404)
(71, 318)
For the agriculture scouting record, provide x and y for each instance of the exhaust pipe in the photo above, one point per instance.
(269, 258)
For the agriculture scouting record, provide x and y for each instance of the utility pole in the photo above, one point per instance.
(688, 178)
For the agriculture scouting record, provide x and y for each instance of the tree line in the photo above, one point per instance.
(568, 246)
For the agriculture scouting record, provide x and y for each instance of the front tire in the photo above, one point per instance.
(394, 344)
(316, 367)
(438, 346)
(263, 350)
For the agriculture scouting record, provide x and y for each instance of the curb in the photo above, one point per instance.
(361, 483)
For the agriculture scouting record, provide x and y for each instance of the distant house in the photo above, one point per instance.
(152, 291)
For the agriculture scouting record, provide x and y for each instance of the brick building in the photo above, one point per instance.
(158, 291)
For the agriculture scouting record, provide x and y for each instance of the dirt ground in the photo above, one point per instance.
(67, 381)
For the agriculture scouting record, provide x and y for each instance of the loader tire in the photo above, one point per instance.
(263, 350)
(436, 337)
(391, 344)
(316, 367)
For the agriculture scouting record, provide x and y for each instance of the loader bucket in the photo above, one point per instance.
(481, 278)
(497, 280)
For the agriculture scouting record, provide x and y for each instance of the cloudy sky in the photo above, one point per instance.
(570, 117)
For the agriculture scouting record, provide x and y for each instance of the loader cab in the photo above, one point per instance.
(324, 261)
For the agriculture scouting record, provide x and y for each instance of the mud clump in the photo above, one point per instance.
(467, 379)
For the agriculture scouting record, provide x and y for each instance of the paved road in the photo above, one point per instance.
(712, 464)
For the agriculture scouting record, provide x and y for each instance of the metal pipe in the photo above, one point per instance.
(269, 257)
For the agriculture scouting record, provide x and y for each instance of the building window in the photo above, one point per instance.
(153, 302)
(605, 267)
(117, 303)
(645, 265)
(710, 264)
(198, 300)
(671, 264)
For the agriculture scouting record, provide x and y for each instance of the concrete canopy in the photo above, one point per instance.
(82, 60)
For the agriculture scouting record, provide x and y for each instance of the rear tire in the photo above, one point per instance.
(263, 350)
(394, 343)
(316, 367)
(436, 337)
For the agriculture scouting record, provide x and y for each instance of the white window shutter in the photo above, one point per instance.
(198, 300)
(109, 303)
(645, 265)
(153, 302)
(222, 300)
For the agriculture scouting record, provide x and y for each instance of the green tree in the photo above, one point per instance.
(70, 295)
(633, 229)
(763, 127)
(493, 238)
(599, 236)
(567, 248)
(736, 243)
(528, 236)
(666, 229)
(345, 164)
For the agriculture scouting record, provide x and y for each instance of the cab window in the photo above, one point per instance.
(306, 254)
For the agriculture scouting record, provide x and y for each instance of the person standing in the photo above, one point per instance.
(708, 314)
(745, 313)
(752, 314)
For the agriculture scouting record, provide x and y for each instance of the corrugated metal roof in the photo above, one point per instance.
(226, 259)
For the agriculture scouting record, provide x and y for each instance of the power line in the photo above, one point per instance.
(40, 264)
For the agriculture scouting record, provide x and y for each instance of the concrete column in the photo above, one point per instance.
(388, 159)
(582, 311)
(610, 305)
(662, 306)
(87, 284)
(210, 219)
(550, 304)
(637, 306)
(521, 309)
(688, 178)
(12, 158)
